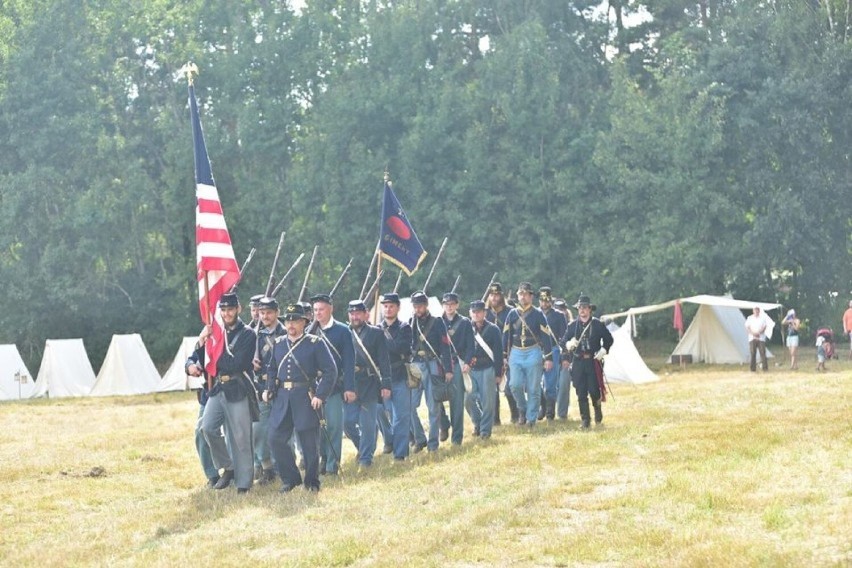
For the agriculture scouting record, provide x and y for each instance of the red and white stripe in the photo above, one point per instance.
(215, 258)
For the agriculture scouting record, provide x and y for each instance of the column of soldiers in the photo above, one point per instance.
(317, 379)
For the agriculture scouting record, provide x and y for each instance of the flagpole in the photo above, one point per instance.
(376, 296)
(208, 322)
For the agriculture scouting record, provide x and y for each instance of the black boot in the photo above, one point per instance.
(542, 409)
(583, 403)
(598, 411)
(551, 409)
(225, 480)
(267, 477)
(513, 406)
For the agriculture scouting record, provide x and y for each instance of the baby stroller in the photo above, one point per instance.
(828, 345)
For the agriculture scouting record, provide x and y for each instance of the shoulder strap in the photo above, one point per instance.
(481, 341)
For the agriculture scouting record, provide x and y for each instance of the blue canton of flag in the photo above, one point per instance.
(397, 240)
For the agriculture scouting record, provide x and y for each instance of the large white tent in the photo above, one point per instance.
(15, 380)
(717, 332)
(65, 369)
(717, 335)
(127, 369)
(176, 377)
(624, 364)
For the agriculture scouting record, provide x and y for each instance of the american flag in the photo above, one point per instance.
(217, 268)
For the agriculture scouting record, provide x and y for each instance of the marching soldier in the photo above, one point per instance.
(227, 403)
(587, 341)
(254, 310)
(301, 376)
(268, 330)
(460, 334)
(338, 338)
(496, 313)
(372, 380)
(526, 338)
(486, 366)
(398, 336)
(557, 323)
(563, 391)
(430, 354)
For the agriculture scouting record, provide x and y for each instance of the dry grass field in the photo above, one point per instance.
(711, 466)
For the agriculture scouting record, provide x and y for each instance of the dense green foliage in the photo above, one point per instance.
(702, 150)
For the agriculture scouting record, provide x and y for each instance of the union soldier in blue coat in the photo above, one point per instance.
(526, 338)
(557, 323)
(460, 334)
(268, 330)
(486, 370)
(298, 359)
(372, 380)
(398, 336)
(430, 353)
(497, 313)
(338, 338)
(227, 403)
(587, 341)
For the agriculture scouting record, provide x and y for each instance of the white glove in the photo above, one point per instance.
(572, 344)
(600, 354)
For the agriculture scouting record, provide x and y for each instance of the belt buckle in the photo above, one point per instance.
(287, 385)
(421, 353)
(224, 378)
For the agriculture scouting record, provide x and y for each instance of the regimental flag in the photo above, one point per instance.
(216, 265)
(397, 240)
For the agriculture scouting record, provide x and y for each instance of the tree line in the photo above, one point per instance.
(636, 151)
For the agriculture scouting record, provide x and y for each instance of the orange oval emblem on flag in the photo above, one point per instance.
(398, 227)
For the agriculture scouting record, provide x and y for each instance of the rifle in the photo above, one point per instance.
(455, 284)
(233, 289)
(437, 257)
(369, 272)
(271, 282)
(487, 288)
(368, 299)
(308, 274)
(398, 281)
(341, 278)
(287, 275)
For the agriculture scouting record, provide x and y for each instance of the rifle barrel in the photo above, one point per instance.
(437, 258)
(308, 273)
(271, 282)
(287, 275)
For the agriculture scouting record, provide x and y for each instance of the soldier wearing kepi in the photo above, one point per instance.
(460, 335)
(526, 337)
(338, 338)
(398, 336)
(430, 354)
(486, 370)
(372, 380)
(563, 394)
(227, 403)
(254, 310)
(496, 313)
(587, 341)
(557, 323)
(301, 376)
(270, 328)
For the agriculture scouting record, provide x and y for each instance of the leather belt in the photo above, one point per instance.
(290, 385)
(584, 355)
(223, 378)
(524, 348)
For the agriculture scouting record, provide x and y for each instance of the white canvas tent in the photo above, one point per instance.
(127, 369)
(624, 364)
(176, 378)
(717, 335)
(717, 332)
(15, 380)
(65, 369)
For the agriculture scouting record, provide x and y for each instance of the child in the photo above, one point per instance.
(820, 345)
